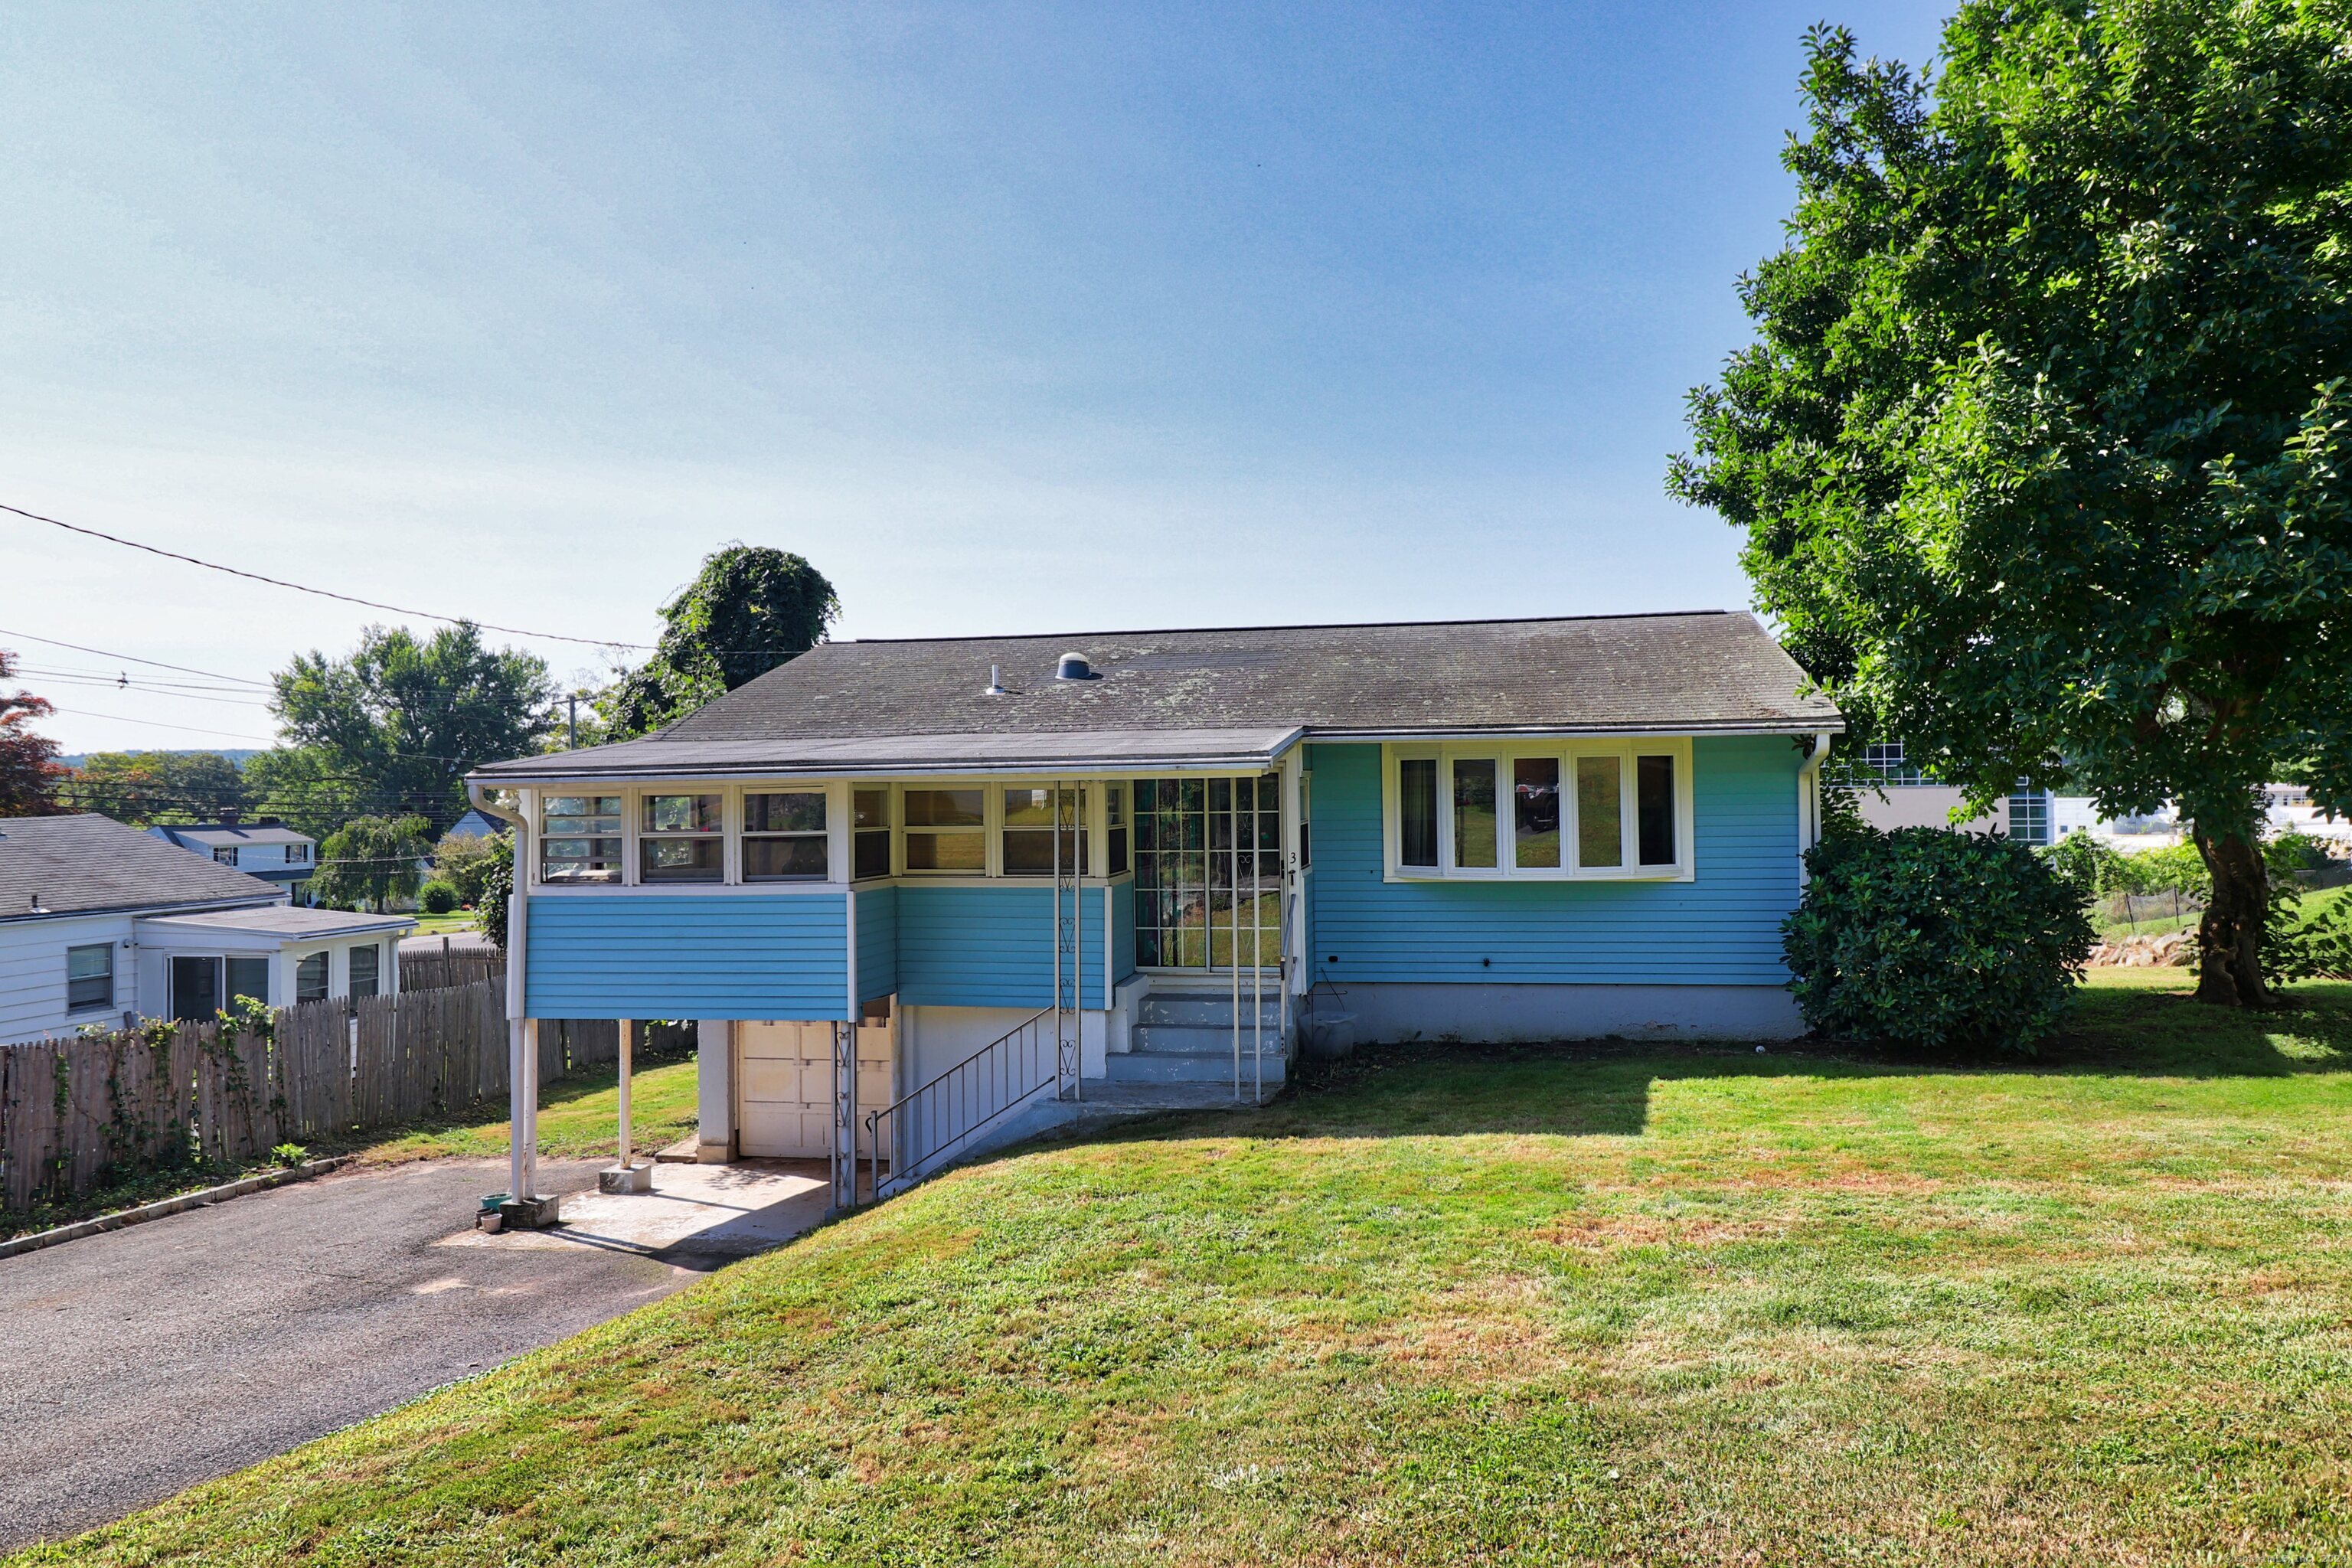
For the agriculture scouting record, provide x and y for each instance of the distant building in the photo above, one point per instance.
(265, 848)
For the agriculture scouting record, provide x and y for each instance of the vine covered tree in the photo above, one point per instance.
(2040, 447)
(144, 787)
(748, 610)
(29, 773)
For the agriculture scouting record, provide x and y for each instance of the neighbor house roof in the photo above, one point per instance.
(1227, 697)
(213, 835)
(88, 863)
(283, 922)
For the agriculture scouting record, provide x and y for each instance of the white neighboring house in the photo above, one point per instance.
(265, 848)
(101, 925)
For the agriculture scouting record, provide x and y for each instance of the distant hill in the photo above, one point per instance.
(237, 754)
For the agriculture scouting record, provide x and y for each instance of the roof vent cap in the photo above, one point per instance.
(1073, 667)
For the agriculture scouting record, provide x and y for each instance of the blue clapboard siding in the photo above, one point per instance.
(718, 955)
(988, 947)
(877, 943)
(1722, 929)
(1122, 929)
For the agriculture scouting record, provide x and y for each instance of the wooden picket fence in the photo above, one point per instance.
(71, 1111)
(430, 969)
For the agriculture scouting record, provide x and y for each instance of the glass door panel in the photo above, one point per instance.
(1189, 836)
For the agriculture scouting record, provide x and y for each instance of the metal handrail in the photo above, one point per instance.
(992, 1076)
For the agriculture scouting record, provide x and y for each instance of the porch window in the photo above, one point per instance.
(784, 836)
(869, 811)
(1534, 814)
(248, 977)
(1029, 818)
(946, 830)
(90, 976)
(580, 839)
(679, 838)
(311, 977)
(363, 969)
(1115, 830)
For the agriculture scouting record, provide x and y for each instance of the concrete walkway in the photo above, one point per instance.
(135, 1364)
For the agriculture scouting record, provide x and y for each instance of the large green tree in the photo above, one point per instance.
(144, 787)
(748, 610)
(400, 721)
(2040, 447)
(370, 860)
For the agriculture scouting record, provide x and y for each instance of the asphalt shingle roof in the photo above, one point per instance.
(86, 863)
(1689, 672)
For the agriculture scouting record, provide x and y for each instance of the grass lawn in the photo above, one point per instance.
(1612, 1303)
(450, 924)
(578, 1117)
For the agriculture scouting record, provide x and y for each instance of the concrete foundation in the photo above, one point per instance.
(637, 1176)
(531, 1214)
(1497, 1014)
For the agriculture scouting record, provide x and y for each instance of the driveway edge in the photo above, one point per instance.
(185, 1201)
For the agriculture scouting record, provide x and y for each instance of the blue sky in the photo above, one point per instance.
(1010, 317)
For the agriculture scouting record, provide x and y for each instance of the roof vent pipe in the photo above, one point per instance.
(1073, 667)
(995, 680)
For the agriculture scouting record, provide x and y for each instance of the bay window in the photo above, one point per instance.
(1562, 809)
(680, 839)
(784, 836)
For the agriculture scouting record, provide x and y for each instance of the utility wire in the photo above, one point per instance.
(157, 664)
(321, 593)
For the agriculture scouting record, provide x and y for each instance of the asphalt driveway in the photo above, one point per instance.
(135, 1364)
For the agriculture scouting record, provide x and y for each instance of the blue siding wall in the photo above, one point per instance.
(1122, 929)
(714, 956)
(1722, 929)
(877, 941)
(988, 947)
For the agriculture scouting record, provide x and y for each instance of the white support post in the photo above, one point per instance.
(518, 1097)
(527, 1186)
(1293, 884)
(628, 1032)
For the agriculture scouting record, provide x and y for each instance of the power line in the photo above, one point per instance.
(320, 593)
(157, 664)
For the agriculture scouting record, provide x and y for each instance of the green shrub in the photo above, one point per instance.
(1927, 937)
(498, 887)
(437, 898)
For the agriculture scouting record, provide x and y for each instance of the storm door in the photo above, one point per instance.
(1196, 842)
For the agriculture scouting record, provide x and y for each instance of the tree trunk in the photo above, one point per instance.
(2229, 937)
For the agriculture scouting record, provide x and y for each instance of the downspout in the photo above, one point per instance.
(1809, 800)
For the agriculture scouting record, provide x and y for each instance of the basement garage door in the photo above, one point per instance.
(785, 1071)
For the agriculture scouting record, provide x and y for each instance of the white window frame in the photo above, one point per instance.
(737, 812)
(726, 834)
(1567, 751)
(108, 1005)
(540, 835)
(992, 825)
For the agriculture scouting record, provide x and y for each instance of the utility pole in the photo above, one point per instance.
(571, 723)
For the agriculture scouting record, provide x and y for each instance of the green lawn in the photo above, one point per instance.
(450, 924)
(1615, 1303)
(579, 1116)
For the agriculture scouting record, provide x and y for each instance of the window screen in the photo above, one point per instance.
(784, 837)
(310, 978)
(248, 977)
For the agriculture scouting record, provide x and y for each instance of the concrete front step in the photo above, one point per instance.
(1199, 1009)
(1167, 1066)
(1190, 1040)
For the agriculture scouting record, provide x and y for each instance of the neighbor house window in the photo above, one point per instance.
(248, 977)
(1569, 809)
(2029, 814)
(946, 830)
(1115, 830)
(869, 823)
(679, 838)
(311, 977)
(298, 854)
(1030, 815)
(225, 855)
(784, 836)
(580, 839)
(363, 969)
(1885, 759)
(90, 976)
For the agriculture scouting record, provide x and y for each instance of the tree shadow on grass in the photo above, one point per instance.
(1602, 1087)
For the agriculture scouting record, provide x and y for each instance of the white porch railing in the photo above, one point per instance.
(927, 1126)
